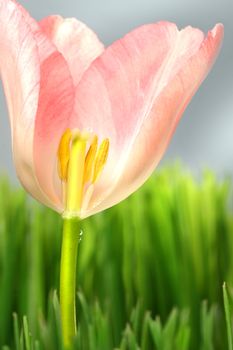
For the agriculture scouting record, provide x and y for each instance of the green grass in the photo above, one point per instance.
(150, 270)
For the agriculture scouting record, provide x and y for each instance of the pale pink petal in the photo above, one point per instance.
(53, 118)
(20, 73)
(55, 103)
(25, 57)
(164, 114)
(117, 92)
(78, 44)
(44, 46)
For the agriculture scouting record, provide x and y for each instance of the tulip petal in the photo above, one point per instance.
(78, 44)
(54, 106)
(44, 46)
(53, 118)
(159, 126)
(26, 56)
(135, 93)
(20, 73)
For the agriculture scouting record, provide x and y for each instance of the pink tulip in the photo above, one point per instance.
(120, 105)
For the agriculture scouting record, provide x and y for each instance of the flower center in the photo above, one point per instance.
(80, 163)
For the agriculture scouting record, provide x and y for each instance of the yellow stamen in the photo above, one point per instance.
(79, 169)
(101, 159)
(63, 154)
(75, 174)
(89, 161)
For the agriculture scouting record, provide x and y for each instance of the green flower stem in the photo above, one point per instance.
(70, 239)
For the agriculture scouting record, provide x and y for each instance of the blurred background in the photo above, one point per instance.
(204, 135)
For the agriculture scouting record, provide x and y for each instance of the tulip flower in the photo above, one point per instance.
(89, 124)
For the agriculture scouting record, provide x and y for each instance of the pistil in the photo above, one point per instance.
(75, 176)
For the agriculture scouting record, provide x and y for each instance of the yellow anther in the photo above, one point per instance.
(80, 163)
(63, 154)
(89, 161)
(101, 159)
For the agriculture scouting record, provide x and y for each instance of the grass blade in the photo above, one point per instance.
(228, 307)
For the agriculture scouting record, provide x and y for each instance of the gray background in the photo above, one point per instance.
(204, 135)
